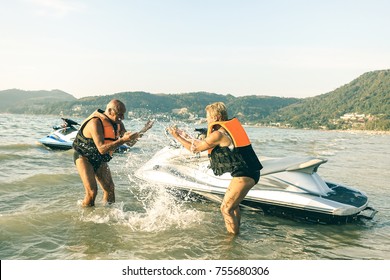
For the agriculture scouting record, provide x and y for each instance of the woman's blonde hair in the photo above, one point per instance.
(218, 110)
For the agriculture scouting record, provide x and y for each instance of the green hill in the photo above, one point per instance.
(20, 101)
(251, 109)
(367, 98)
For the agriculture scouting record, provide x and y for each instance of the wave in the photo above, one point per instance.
(326, 153)
(40, 180)
(8, 157)
(18, 147)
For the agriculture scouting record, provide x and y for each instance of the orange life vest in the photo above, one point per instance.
(110, 131)
(235, 130)
(242, 157)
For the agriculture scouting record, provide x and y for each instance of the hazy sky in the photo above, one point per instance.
(239, 47)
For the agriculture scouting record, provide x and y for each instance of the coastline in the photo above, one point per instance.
(370, 132)
(352, 131)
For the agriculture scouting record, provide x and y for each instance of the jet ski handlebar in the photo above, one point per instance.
(69, 122)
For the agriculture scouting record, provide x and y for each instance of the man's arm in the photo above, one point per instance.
(94, 130)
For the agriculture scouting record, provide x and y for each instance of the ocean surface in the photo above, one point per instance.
(41, 192)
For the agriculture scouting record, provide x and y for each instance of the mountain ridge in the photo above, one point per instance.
(367, 97)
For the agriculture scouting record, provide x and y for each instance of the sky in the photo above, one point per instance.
(240, 47)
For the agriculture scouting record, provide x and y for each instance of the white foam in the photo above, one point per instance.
(162, 211)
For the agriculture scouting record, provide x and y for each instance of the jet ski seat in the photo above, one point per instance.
(303, 164)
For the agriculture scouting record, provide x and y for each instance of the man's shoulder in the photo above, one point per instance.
(93, 120)
(93, 124)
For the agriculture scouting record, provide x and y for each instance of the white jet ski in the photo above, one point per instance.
(63, 136)
(288, 187)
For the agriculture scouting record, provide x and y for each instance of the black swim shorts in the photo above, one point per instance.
(255, 175)
(95, 163)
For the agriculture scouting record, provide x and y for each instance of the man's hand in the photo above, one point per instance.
(147, 126)
(130, 136)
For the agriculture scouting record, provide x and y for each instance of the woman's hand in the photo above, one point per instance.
(174, 131)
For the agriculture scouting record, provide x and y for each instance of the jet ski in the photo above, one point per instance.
(63, 136)
(289, 187)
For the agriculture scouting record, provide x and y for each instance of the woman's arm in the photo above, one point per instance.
(196, 145)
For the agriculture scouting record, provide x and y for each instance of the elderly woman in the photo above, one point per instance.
(229, 150)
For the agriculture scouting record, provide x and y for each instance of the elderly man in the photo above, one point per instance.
(99, 136)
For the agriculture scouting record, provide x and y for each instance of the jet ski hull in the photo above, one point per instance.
(293, 191)
(290, 210)
(55, 144)
(60, 139)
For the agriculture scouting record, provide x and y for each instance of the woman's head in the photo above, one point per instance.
(216, 112)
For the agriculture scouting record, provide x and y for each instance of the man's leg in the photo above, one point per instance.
(87, 175)
(103, 176)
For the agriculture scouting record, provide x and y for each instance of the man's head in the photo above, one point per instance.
(116, 110)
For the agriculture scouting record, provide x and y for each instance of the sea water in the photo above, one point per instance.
(41, 217)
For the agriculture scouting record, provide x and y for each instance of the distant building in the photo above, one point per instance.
(353, 117)
(77, 108)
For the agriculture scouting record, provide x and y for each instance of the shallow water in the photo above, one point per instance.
(41, 216)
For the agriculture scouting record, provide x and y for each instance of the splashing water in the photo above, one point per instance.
(163, 212)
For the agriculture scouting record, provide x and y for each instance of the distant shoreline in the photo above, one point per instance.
(373, 132)
(352, 131)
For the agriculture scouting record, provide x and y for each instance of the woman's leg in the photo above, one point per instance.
(237, 190)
